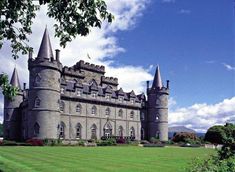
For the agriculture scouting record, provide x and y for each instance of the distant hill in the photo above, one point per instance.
(180, 129)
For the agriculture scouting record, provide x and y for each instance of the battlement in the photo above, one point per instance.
(91, 67)
(109, 80)
(38, 62)
(73, 72)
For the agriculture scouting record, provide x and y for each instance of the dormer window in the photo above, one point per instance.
(121, 99)
(79, 108)
(132, 101)
(37, 102)
(93, 95)
(107, 97)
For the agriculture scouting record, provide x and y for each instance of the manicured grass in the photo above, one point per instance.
(92, 159)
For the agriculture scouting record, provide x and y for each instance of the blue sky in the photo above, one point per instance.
(191, 40)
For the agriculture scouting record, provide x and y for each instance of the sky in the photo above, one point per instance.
(191, 40)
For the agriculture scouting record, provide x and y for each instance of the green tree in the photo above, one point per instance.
(73, 17)
(215, 134)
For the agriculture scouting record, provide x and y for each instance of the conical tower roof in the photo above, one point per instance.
(15, 79)
(157, 82)
(45, 50)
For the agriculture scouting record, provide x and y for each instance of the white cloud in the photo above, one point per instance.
(202, 116)
(184, 11)
(228, 67)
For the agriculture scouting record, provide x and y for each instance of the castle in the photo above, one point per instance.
(79, 102)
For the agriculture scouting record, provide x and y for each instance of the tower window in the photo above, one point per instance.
(62, 106)
(37, 102)
(36, 128)
(61, 130)
(132, 132)
(142, 116)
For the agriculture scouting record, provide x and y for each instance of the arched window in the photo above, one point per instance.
(93, 110)
(61, 130)
(132, 132)
(79, 109)
(37, 102)
(132, 114)
(107, 129)
(62, 105)
(93, 132)
(120, 131)
(107, 112)
(36, 129)
(157, 117)
(120, 113)
(79, 131)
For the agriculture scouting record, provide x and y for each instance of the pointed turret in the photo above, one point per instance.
(157, 82)
(45, 50)
(15, 79)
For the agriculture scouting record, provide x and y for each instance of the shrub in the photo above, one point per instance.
(185, 137)
(35, 142)
(9, 143)
(81, 143)
(108, 142)
(121, 140)
(154, 140)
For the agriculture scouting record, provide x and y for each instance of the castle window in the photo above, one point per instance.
(93, 110)
(120, 113)
(79, 108)
(157, 118)
(79, 93)
(93, 95)
(132, 101)
(62, 129)
(93, 131)
(107, 112)
(142, 116)
(132, 132)
(107, 130)
(37, 102)
(132, 114)
(121, 99)
(36, 129)
(78, 131)
(62, 106)
(62, 90)
(120, 131)
(107, 97)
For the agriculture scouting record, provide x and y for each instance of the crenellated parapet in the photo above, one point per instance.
(46, 63)
(109, 80)
(91, 67)
(71, 71)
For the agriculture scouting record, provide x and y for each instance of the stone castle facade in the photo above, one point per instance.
(79, 102)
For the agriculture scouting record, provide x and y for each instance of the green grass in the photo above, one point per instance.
(121, 159)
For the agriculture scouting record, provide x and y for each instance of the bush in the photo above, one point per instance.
(121, 140)
(35, 142)
(9, 143)
(185, 137)
(108, 142)
(81, 143)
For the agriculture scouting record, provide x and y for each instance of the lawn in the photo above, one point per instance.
(121, 159)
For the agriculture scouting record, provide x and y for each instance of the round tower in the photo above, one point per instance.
(44, 92)
(158, 108)
(12, 114)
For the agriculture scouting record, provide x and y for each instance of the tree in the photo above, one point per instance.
(184, 137)
(215, 134)
(73, 17)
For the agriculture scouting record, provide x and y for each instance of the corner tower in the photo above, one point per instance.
(44, 92)
(12, 114)
(157, 108)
